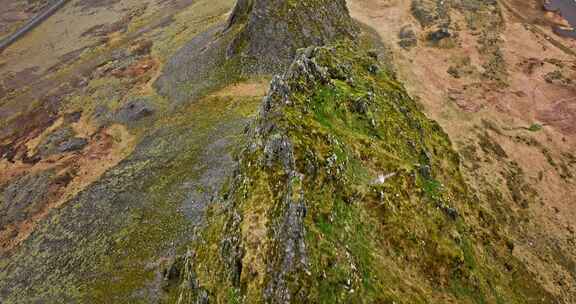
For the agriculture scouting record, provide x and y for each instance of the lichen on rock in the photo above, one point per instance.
(304, 222)
(260, 37)
(272, 31)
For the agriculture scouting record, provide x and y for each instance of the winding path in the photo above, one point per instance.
(32, 23)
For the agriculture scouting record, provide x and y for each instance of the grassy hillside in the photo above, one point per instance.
(346, 192)
(148, 158)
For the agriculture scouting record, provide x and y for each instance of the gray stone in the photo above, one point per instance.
(72, 144)
(438, 35)
(134, 110)
(407, 37)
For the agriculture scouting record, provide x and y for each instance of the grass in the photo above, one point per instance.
(144, 237)
(365, 242)
(535, 127)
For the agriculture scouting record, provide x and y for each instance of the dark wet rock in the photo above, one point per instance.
(134, 110)
(407, 37)
(451, 212)
(426, 172)
(438, 35)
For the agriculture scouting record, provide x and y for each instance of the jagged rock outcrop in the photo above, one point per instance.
(343, 191)
(260, 37)
(346, 192)
(272, 30)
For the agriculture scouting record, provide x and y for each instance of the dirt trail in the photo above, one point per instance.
(251, 88)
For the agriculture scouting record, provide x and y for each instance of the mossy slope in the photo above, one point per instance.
(261, 37)
(347, 193)
(270, 31)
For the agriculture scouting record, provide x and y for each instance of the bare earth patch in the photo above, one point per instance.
(75, 172)
(245, 89)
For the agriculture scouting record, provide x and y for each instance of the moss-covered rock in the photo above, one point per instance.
(347, 193)
(260, 37)
(272, 30)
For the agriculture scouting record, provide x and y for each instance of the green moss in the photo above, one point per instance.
(144, 238)
(389, 217)
(535, 127)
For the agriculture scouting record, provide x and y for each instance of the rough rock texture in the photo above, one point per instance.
(272, 31)
(260, 37)
(346, 192)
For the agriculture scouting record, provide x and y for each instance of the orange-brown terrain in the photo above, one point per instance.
(127, 126)
(511, 115)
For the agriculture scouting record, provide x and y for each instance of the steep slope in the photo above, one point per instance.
(497, 79)
(270, 32)
(134, 167)
(346, 192)
(104, 178)
(260, 37)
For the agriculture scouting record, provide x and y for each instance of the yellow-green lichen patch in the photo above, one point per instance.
(134, 258)
(346, 192)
